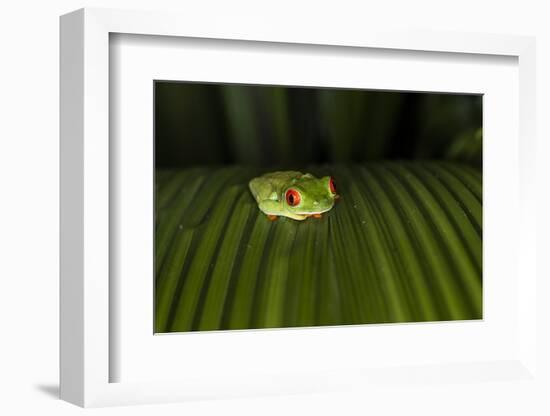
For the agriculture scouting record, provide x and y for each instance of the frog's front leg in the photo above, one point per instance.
(271, 208)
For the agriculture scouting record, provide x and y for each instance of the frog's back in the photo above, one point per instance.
(282, 178)
(270, 184)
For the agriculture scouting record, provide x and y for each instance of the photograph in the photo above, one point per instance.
(280, 206)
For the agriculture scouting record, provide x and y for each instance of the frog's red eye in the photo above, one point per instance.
(293, 197)
(331, 185)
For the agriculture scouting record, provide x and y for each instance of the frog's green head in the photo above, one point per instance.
(309, 195)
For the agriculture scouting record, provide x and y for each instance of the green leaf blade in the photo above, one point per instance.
(403, 244)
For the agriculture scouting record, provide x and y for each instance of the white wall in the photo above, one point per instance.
(29, 194)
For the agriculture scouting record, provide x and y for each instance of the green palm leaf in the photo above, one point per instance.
(403, 244)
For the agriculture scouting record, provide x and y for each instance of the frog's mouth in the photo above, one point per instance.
(317, 211)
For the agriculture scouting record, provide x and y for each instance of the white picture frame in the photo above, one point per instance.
(87, 355)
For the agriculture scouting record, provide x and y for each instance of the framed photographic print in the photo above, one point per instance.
(271, 213)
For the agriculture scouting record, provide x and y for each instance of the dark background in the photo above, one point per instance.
(213, 124)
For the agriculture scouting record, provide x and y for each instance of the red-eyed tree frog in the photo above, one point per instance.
(293, 194)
